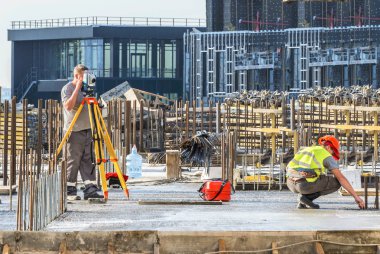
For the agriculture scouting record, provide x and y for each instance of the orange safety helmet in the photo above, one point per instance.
(333, 142)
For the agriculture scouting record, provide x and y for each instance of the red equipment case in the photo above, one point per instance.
(216, 190)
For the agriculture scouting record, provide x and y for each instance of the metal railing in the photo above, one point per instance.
(108, 21)
(28, 81)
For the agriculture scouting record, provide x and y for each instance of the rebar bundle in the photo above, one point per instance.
(258, 98)
(156, 158)
(355, 95)
(198, 149)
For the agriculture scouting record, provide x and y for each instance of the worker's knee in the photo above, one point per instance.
(291, 186)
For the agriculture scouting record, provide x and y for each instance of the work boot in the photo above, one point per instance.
(71, 190)
(72, 193)
(313, 196)
(301, 206)
(307, 202)
(91, 191)
(93, 195)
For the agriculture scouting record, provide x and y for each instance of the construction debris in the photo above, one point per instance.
(116, 92)
(198, 149)
(258, 98)
(151, 100)
(156, 158)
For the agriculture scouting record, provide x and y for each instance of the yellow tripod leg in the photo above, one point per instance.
(111, 151)
(68, 132)
(102, 170)
(98, 152)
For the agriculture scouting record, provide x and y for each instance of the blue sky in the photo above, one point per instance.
(11, 10)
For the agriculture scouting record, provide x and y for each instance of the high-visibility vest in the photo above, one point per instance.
(310, 159)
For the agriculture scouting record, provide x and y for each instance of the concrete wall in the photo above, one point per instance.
(186, 242)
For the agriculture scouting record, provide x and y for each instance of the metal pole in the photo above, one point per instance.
(366, 192)
(377, 192)
(141, 147)
(39, 141)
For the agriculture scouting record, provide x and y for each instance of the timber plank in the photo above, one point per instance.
(178, 202)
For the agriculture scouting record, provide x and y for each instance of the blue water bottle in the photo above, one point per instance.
(134, 163)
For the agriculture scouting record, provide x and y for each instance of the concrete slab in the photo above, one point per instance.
(252, 221)
(248, 211)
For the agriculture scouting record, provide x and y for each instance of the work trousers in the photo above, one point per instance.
(324, 185)
(80, 157)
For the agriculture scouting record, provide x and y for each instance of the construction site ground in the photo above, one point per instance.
(248, 210)
(253, 215)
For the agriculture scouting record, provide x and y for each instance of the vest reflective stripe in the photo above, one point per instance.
(302, 164)
(310, 158)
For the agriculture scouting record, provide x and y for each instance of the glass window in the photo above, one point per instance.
(137, 58)
(158, 63)
(170, 60)
(120, 59)
(147, 59)
(107, 59)
(56, 59)
(150, 71)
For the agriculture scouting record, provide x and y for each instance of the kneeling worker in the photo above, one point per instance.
(314, 172)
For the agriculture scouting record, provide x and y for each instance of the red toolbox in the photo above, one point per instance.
(216, 190)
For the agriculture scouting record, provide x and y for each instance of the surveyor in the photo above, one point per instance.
(80, 154)
(314, 172)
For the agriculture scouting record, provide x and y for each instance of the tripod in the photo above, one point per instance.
(99, 135)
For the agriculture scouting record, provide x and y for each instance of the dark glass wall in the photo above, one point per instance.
(147, 59)
(136, 59)
(57, 59)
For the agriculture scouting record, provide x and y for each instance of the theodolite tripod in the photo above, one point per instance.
(100, 135)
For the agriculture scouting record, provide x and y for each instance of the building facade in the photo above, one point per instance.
(223, 15)
(287, 45)
(145, 52)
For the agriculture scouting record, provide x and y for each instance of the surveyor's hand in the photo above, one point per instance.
(360, 202)
(79, 83)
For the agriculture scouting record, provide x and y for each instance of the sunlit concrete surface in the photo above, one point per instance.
(248, 210)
